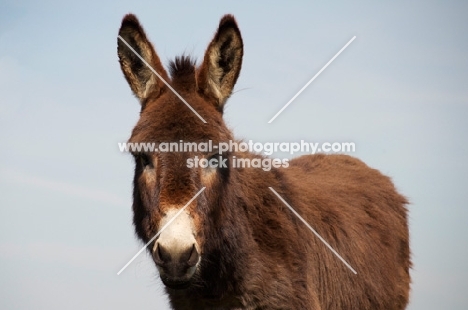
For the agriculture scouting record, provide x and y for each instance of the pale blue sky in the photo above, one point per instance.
(399, 92)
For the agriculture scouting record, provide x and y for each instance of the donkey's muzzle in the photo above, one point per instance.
(176, 266)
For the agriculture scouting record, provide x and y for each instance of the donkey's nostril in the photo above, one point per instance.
(161, 255)
(193, 257)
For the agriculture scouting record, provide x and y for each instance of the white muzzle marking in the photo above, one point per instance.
(179, 235)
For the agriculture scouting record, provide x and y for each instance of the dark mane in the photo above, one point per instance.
(182, 66)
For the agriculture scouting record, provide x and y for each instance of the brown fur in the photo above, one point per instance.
(255, 253)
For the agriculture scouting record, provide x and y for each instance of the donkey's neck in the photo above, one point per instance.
(242, 203)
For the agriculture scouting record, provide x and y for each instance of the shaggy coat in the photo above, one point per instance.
(253, 252)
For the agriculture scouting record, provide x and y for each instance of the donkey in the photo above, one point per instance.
(236, 245)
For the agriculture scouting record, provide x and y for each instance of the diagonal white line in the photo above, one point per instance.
(160, 77)
(311, 80)
(313, 230)
(160, 231)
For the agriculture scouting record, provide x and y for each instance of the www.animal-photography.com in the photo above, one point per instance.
(227, 156)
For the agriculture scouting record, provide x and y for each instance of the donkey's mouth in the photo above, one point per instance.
(176, 285)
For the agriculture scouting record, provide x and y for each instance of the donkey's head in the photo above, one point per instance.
(163, 183)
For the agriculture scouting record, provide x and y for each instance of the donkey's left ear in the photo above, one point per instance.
(222, 62)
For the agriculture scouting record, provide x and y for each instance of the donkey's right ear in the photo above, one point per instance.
(143, 82)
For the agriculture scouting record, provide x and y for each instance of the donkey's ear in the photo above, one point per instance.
(222, 62)
(143, 82)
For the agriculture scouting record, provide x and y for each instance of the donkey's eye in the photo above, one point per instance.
(145, 160)
(213, 160)
(214, 156)
(217, 161)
